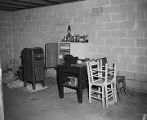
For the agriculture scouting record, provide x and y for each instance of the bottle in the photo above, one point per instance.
(69, 29)
(68, 36)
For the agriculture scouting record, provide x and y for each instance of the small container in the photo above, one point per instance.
(79, 61)
(73, 81)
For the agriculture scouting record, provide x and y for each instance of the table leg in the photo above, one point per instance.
(61, 91)
(60, 87)
(79, 95)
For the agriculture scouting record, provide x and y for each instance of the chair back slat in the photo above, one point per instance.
(92, 71)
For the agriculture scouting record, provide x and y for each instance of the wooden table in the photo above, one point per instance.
(75, 70)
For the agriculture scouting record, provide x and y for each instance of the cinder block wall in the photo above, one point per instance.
(116, 29)
(6, 39)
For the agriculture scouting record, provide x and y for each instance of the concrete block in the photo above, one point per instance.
(127, 7)
(92, 26)
(105, 50)
(133, 84)
(145, 69)
(142, 6)
(103, 34)
(141, 43)
(111, 26)
(52, 15)
(102, 2)
(135, 34)
(142, 25)
(83, 12)
(135, 1)
(61, 14)
(141, 77)
(134, 51)
(117, 1)
(145, 53)
(127, 59)
(90, 20)
(98, 42)
(121, 66)
(145, 35)
(145, 16)
(127, 42)
(144, 86)
(8, 46)
(135, 16)
(93, 49)
(119, 16)
(118, 51)
(136, 68)
(126, 25)
(141, 60)
(78, 20)
(91, 35)
(110, 9)
(104, 18)
(62, 22)
(111, 42)
(118, 34)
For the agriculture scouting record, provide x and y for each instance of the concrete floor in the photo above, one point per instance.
(46, 105)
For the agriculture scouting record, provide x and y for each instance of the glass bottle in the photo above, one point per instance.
(68, 36)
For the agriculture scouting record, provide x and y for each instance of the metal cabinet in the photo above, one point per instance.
(33, 66)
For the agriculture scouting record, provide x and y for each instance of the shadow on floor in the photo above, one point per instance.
(46, 105)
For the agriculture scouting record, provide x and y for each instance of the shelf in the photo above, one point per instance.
(64, 50)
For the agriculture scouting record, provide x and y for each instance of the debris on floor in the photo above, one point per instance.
(15, 84)
(11, 79)
(144, 117)
(8, 76)
(38, 87)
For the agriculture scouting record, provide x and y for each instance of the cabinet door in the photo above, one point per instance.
(51, 55)
(80, 50)
(63, 49)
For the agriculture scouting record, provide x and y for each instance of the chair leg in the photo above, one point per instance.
(89, 94)
(103, 97)
(115, 92)
(106, 95)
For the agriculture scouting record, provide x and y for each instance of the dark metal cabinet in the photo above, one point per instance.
(33, 66)
(51, 55)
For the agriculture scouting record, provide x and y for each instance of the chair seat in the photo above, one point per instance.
(102, 81)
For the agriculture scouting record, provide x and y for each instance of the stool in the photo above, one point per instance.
(119, 80)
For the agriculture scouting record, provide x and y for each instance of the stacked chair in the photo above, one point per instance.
(102, 81)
